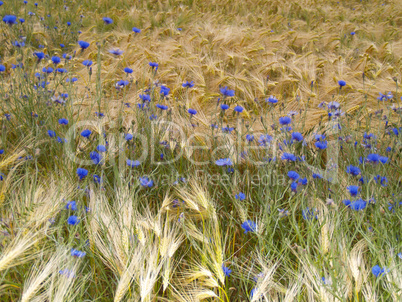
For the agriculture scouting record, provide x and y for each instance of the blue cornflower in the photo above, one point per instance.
(288, 156)
(293, 186)
(224, 162)
(240, 196)
(293, 175)
(107, 20)
(71, 205)
(146, 182)
(285, 120)
(67, 273)
(227, 92)
(319, 137)
(61, 70)
(381, 179)
(66, 56)
(353, 170)
(51, 133)
(353, 190)
(164, 91)
(391, 206)
(101, 148)
(77, 253)
(192, 111)
(86, 133)
(83, 44)
(265, 140)
(95, 157)
(374, 158)
(249, 226)
(145, 97)
(2, 68)
(136, 30)
(272, 100)
(10, 19)
(60, 140)
(72, 80)
(63, 121)
(128, 70)
(82, 173)
(128, 137)
(224, 107)
(162, 107)
(395, 131)
(97, 179)
(378, 271)
(40, 55)
(249, 138)
(19, 44)
(73, 220)
(303, 181)
(133, 163)
(341, 83)
(1, 151)
(333, 105)
(226, 270)
(317, 175)
(188, 84)
(56, 60)
(355, 205)
(87, 63)
(153, 65)
(382, 97)
(238, 109)
(116, 52)
(321, 144)
(153, 117)
(227, 129)
(47, 70)
(121, 84)
(297, 136)
(383, 159)
(368, 135)
(43, 85)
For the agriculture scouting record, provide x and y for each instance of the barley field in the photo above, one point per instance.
(200, 150)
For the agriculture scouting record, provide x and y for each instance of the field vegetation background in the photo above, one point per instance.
(200, 150)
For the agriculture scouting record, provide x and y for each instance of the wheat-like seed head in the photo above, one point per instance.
(40, 274)
(356, 264)
(129, 273)
(16, 251)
